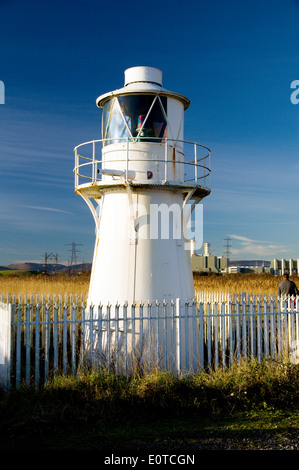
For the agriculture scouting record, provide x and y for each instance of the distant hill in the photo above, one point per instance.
(40, 267)
(77, 268)
(26, 266)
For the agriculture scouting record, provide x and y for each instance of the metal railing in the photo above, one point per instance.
(197, 168)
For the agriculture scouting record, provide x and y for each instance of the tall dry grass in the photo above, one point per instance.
(236, 283)
(44, 285)
(61, 284)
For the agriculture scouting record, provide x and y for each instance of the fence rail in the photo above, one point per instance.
(43, 337)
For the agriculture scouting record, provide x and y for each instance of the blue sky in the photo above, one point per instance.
(234, 60)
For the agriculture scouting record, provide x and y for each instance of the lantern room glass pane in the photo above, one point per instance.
(114, 126)
(135, 109)
(129, 116)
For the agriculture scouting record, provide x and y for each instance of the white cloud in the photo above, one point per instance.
(51, 209)
(246, 239)
(248, 246)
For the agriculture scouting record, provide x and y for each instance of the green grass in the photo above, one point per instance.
(103, 412)
(17, 273)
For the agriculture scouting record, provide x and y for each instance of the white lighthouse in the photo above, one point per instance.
(141, 181)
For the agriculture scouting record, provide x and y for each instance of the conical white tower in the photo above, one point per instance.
(138, 180)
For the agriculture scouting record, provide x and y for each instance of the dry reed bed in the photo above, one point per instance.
(44, 285)
(50, 285)
(236, 283)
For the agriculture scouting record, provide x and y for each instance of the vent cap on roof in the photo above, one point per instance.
(143, 74)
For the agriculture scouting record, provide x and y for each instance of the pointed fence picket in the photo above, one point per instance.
(53, 335)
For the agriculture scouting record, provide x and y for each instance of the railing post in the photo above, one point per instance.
(164, 334)
(259, 332)
(209, 338)
(216, 334)
(116, 342)
(28, 343)
(6, 344)
(125, 348)
(165, 157)
(55, 339)
(223, 332)
(156, 328)
(244, 325)
(73, 335)
(195, 327)
(100, 334)
(93, 162)
(18, 347)
(201, 335)
(127, 158)
(37, 344)
(109, 342)
(178, 335)
(209, 169)
(186, 345)
(230, 332)
(76, 168)
(272, 330)
(195, 162)
(47, 342)
(64, 337)
(266, 329)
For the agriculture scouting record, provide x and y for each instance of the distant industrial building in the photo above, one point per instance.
(250, 266)
(208, 262)
(281, 266)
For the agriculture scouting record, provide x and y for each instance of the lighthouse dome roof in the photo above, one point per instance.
(142, 80)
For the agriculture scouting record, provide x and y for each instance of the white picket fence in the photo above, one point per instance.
(43, 337)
